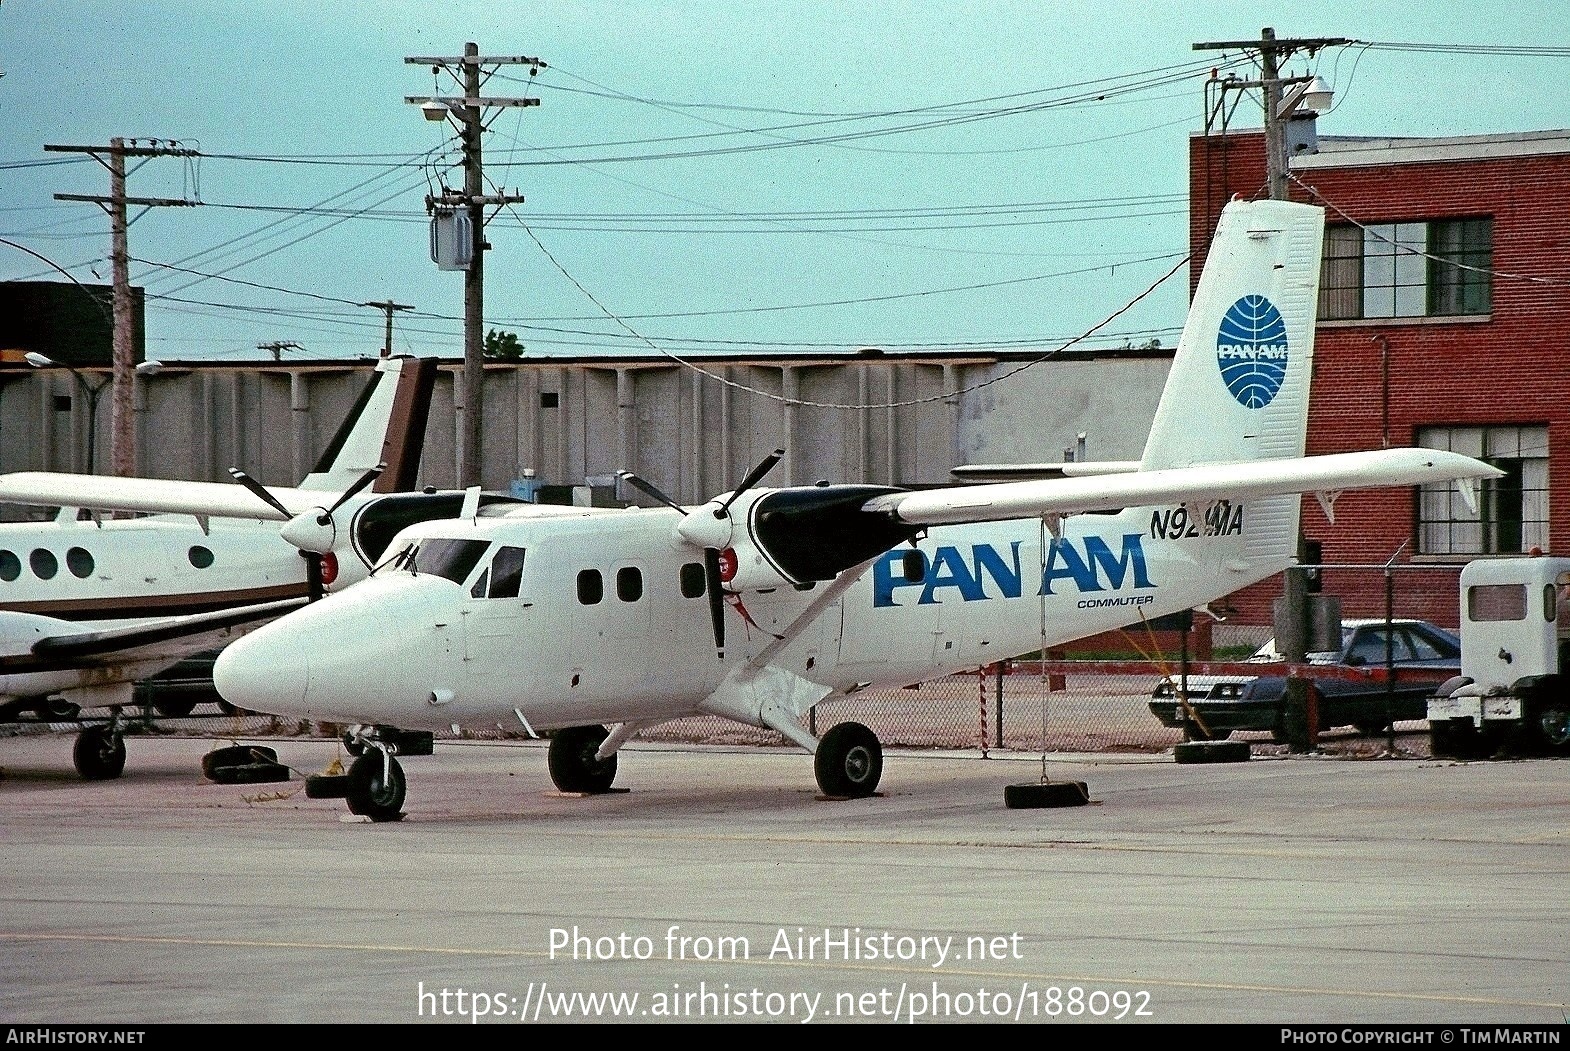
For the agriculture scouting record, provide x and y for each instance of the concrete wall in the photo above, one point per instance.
(691, 434)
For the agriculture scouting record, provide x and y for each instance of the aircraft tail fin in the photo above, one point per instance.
(1239, 385)
(385, 426)
(1238, 389)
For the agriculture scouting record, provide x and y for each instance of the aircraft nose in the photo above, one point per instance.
(264, 671)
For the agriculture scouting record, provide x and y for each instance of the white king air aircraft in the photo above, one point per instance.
(89, 604)
(598, 624)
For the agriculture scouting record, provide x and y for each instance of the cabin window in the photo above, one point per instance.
(506, 572)
(591, 587)
(1512, 512)
(692, 580)
(80, 562)
(200, 556)
(45, 564)
(449, 558)
(629, 583)
(10, 566)
(1438, 268)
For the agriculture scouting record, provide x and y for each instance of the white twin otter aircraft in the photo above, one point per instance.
(597, 624)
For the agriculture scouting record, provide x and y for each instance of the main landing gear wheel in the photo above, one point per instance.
(849, 761)
(376, 787)
(99, 754)
(572, 763)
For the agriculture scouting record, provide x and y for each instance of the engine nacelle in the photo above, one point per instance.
(789, 537)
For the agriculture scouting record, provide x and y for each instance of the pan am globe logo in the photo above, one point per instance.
(1251, 349)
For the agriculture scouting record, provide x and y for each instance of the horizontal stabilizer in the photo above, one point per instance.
(1022, 472)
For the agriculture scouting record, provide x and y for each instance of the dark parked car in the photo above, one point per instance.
(1224, 703)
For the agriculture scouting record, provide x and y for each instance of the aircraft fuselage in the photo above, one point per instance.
(608, 620)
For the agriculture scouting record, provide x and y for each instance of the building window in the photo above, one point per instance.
(1418, 269)
(1512, 511)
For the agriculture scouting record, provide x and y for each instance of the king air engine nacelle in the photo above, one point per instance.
(791, 537)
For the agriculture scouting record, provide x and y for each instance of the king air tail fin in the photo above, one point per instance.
(385, 426)
(1238, 389)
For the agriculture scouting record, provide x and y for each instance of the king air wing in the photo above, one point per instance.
(383, 432)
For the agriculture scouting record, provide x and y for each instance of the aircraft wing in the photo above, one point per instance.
(152, 495)
(61, 644)
(1237, 481)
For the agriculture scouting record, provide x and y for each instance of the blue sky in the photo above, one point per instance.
(676, 172)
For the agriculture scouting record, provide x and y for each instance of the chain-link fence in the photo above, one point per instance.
(1137, 690)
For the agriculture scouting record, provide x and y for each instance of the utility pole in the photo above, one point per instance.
(388, 306)
(1278, 106)
(277, 348)
(467, 113)
(1302, 728)
(122, 435)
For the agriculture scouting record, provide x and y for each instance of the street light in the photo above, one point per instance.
(92, 390)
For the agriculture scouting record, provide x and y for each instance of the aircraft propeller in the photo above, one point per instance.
(711, 532)
(314, 532)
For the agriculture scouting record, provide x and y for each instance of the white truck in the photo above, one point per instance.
(1513, 694)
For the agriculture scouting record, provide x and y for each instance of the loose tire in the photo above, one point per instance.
(1045, 794)
(327, 786)
(572, 763)
(260, 773)
(376, 787)
(1212, 752)
(849, 761)
(99, 755)
(219, 759)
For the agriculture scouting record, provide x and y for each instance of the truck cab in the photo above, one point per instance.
(1513, 693)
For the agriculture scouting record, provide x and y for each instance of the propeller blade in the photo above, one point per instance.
(649, 489)
(763, 467)
(364, 480)
(713, 585)
(256, 487)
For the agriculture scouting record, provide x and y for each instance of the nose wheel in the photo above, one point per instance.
(376, 787)
(848, 761)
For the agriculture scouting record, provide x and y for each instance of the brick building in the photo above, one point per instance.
(1444, 321)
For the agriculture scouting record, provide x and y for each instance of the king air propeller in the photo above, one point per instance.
(711, 528)
(314, 532)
